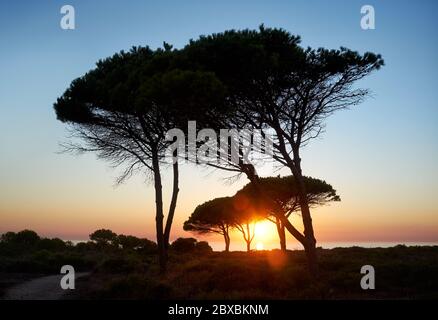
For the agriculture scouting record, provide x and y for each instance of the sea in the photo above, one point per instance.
(241, 246)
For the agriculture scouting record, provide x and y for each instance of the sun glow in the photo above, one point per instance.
(263, 230)
(259, 246)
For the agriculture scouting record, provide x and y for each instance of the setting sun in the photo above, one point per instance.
(264, 230)
(261, 228)
(259, 246)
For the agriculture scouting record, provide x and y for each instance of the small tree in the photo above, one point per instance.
(220, 215)
(22, 240)
(128, 242)
(54, 244)
(213, 216)
(147, 246)
(203, 247)
(104, 237)
(281, 199)
(184, 245)
(245, 216)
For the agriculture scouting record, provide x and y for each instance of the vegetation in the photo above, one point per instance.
(104, 237)
(241, 212)
(196, 272)
(250, 79)
(281, 198)
(123, 110)
(213, 216)
(26, 252)
(274, 84)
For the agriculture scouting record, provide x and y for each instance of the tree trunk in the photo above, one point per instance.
(162, 248)
(162, 256)
(248, 242)
(310, 245)
(172, 204)
(249, 170)
(281, 234)
(308, 241)
(292, 230)
(227, 242)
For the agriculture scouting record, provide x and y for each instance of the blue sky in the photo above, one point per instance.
(381, 155)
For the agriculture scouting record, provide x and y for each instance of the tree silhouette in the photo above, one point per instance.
(123, 109)
(128, 242)
(253, 79)
(214, 216)
(104, 237)
(220, 215)
(25, 238)
(184, 245)
(281, 199)
(245, 216)
(276, 85)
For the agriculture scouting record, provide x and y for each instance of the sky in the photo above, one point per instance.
(380, 156)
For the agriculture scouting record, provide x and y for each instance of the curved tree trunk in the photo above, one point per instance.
(281, 234)
(310, 243)
(246, 233)
(172, 204)
(248, 241)
(162, 256)
(294, 164)
(227, 242)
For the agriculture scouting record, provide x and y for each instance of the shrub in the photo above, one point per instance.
(203, 247)
(136, 287)
(118, 265)
(184, 245)
(147, 246)
(54, 244)
(128, 242)
(104, 237)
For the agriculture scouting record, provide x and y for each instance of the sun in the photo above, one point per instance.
(259, 246)
(262, 233)
(261, 229)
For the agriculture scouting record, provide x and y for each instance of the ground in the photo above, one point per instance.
(401, 273)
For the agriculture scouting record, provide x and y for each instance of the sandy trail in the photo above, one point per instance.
(44, 288)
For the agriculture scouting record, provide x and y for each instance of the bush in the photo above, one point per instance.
(135, 287)
(54, 244)
(190, 245)
(86, 246)
(104, 237)
(147, 247)
(203, 247)
(128, 242)
(25, 237)
(184, 245)
(118, 266)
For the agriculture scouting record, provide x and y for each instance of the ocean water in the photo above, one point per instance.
(241, 246)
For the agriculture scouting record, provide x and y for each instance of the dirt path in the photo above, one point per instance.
(44, 288)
